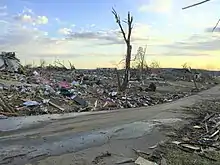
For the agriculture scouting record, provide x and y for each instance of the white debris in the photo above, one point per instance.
(142, 161)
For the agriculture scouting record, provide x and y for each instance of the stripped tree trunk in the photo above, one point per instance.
(127, 40)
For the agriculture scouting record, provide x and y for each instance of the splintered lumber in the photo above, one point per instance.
(214, 134)
(6, 107)
(128, 160)
(53, 104)
(8, 114)
(195, 148)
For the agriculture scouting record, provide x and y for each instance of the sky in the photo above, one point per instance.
(85, 32)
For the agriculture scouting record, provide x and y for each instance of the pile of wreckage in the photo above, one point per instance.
(84, 93)
(43, 91)
(9, 63)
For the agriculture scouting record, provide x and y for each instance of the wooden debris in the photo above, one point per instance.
(53, 104)
(154, 146)
(185, 139)
(208, 117)
(142, 161)
(56, 106)
(6, 107)
(176, 142)
(206, 127)
(8, 114)
(190, 147)
(214, 134)
(197, 127)
(128, 160)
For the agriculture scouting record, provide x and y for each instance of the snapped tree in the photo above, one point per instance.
(127, 40)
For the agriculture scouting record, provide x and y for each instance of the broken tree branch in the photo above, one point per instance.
(216, 26)
(196, 4)
(118, 21)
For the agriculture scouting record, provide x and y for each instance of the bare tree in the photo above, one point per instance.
(140, 58)
(72, 66)
(127, 40)
(42, 63)
(155, 64)
(59, 63)
(185, 65)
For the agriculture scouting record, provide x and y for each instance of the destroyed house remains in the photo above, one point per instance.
(9, 62)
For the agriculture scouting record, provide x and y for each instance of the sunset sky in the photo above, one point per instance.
(85, 32)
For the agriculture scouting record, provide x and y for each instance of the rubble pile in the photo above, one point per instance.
(46, 91)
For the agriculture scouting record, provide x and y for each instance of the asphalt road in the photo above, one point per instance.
(72, 134)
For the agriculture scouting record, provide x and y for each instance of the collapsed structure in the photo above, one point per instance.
(9, 62)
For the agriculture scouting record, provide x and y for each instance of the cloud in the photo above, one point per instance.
(17, 35)
(103, 37)
(110, 36)
(185, 54)
(140, 33)
(157, 6)
(58, 20)
(42, 20)
(3, 11)
(3, 7)
(65, 31)
(27, 10)
(93, 25)
(198, 43)
(28, 16)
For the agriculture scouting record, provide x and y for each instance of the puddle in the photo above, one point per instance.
(137, 129)
(80, 141)
(131, 131)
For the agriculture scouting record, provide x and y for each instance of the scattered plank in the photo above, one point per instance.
(128, 160)
(154, 146)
